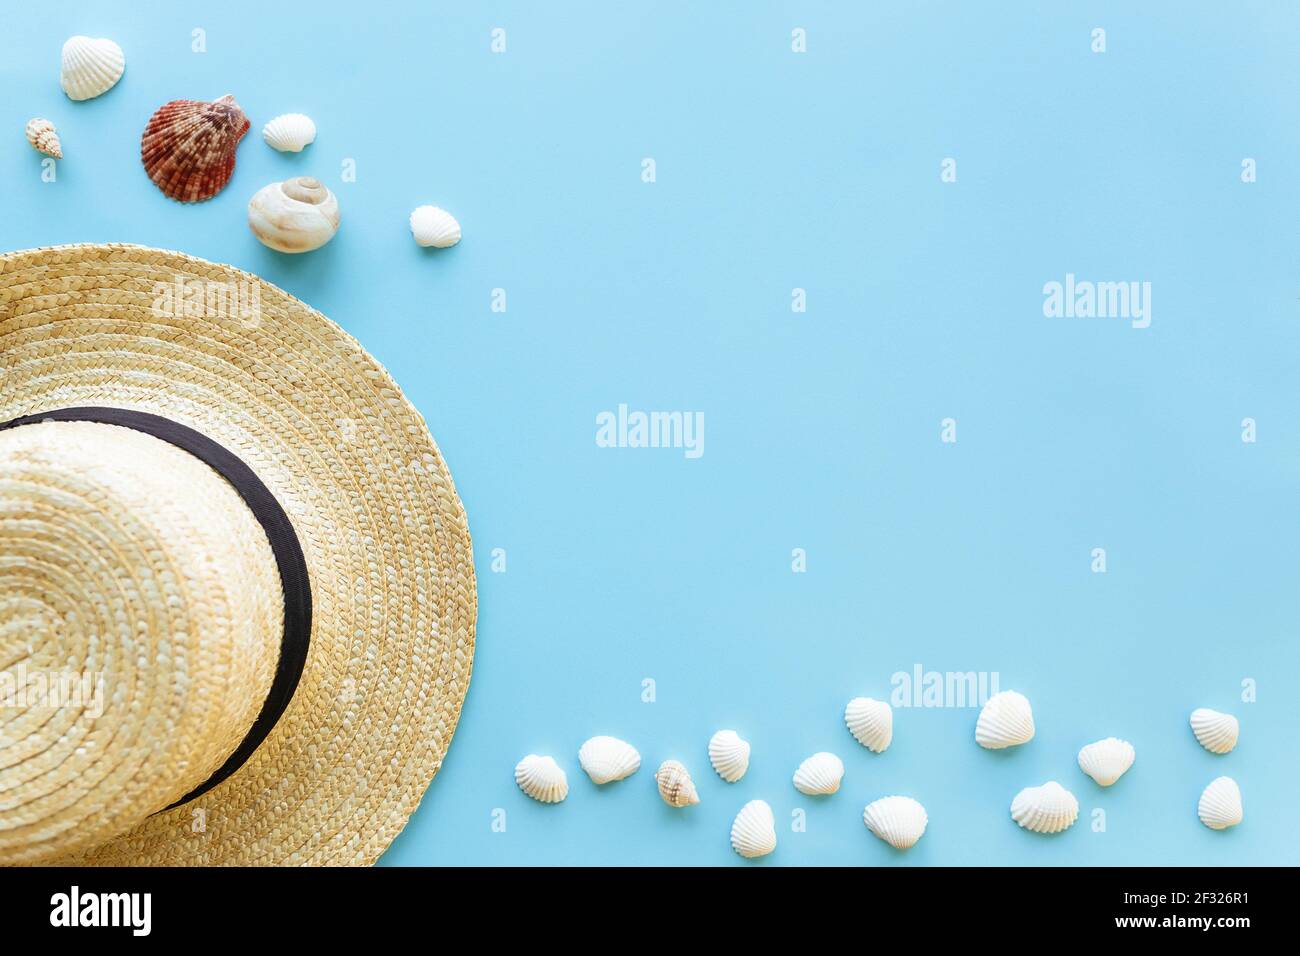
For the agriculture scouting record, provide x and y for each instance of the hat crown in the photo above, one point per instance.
(140, 622)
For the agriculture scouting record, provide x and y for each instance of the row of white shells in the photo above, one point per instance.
(1006, 720)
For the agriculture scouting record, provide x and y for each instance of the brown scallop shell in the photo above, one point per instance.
(188, 148)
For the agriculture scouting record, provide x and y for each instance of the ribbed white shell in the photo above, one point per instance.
(871, 722)
(606, 759)
(819, 774)
(289, 133)
(435, 227)
(1216, 732)
(753, 832)
(1107, 760)
(675, 784)
(1220, 804)
(1046, 809)
(1005, 721)
(729, 755)
(542, 779)
(90, 67)
(899, 821)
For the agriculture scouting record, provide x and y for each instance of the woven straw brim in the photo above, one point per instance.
(385, 536)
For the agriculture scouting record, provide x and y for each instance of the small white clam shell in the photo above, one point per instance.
(871, 722)
(435, 227)
(1006, 720)
(729, 755)
(753, 832)
(290, 133)
(1216, 732)
(1220, 804)
(819, 774)
(297, 215)
(90, 67)
(1046, 809)
(542, 779)
(899, 821)
(606, 759)
(1107, 760)
(675, 784)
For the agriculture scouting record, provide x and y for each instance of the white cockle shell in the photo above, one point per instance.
(1006, 720)
(1216, 732)
(753, 832)
(606, 759)
(729, 755)
(871, 722)
(819, 774)
(899, 821)
(435, 227)
(1107, 760)
(90, 67)
(289, 133)
(1046, 809)
(542, 779)
(1220, 804)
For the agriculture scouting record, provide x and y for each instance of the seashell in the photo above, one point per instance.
(297, 215)
(607, 759)
(1220, 804)
(1046, 809)
(871, 722)
(43, 137)
(542, 779)
(675, 784)
(819, 774)
(899, 821)
(289, 133)
(188, 147)
(1006, 720)
(1106, 760)
(729, 754)
(435, 227)
(1217, 732)
(753, 832)
(90, 67)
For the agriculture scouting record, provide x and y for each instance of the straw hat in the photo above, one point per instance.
(236, 584)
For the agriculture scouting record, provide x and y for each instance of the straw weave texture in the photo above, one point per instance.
(385, 537)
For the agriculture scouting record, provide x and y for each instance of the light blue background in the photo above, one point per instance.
(778, 170)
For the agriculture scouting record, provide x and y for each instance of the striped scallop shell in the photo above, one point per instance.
(1220, 804)
(819, 774)
(1007, 720)
(753, 832)
(1216, 732)
(290, 133)
(606, 759)
(188, 148)
(90, 67)
(899, 821)
(1107, 760)
(871, 722)
(1046, 809)
(542, 779)
(431, 226)
(729, 755)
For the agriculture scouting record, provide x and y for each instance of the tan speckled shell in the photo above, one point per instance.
(43, 137)
(188, 148)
